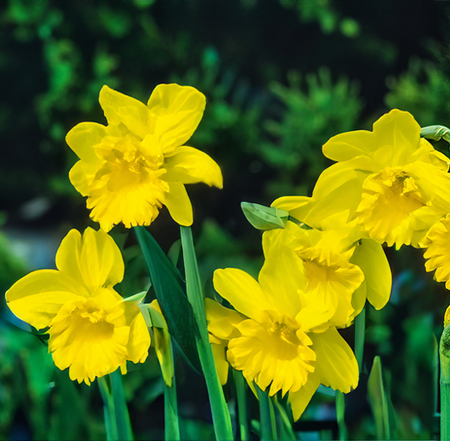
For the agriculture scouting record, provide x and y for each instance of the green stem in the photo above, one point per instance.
(444, 353)
(267, 416)
(120, 406)
(340, 415)
(360, 336)
(171, 421)
(219, 409)
(241, 394)
(108, 410)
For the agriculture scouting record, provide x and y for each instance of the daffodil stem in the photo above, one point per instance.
(444, 357)
(360, 333)
(108, 409)
(267, 416)
(241, 395)
(171, 421)
(120, 406)
(219, 408)
(340, 415)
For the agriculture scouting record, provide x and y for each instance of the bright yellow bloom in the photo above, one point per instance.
(338, 267)
(437, 254)
(92, 329)
(392, 182)
(131, 168)
(286, 339)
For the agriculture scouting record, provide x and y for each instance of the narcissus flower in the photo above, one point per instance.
(131, 168)
(285, 341)
(92, 330)
(392, 182)
(437, 253)
(339, 267)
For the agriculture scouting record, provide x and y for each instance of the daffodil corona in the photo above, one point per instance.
(131, 168)
(280, 336)
(393, 183)
(92, 330)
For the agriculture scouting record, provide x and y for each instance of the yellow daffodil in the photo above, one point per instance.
(392, 182)
(284, 342)
(92, 330)
(338, 267)
(437, 254)
(131, 168)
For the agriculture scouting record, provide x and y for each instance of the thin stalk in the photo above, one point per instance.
(219, 409)
(340, 415)
(267, 417)
(120, 406)
(241, 395)
(286, 430)
(360, 333)
(108, 410)
(171, 421)
(444, 353)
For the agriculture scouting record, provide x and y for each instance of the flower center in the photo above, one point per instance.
(130, 162)
(388, 200)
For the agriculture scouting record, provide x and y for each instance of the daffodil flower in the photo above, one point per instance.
(391, 181)
(131, 168)
(284, 340)
(92, 330)
(437, 253)
(339, 267)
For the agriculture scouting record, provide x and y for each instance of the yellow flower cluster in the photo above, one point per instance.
(128, 170)
(388, 186)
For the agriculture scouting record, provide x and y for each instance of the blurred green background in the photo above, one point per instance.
(281, 77)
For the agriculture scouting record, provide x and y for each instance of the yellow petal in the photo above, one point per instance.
(370, 257)
(242, 291)
(220, 361)
(300, 399)
(139, 339)
(222, 321)
(179, 205)
(94, 260)
(37, 297)
(189, 166)
(83, 138)
(178, 111)
(350, 145)
(81, 176)
(120, 108)
(282, 278)
(336, 360)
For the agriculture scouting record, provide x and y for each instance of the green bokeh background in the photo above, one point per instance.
(281, 78)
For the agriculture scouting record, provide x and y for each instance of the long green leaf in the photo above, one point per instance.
(378, 401)
(170, 291)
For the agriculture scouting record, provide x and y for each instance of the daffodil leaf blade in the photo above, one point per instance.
(170, 292)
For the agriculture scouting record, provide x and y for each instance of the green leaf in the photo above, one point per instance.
(170, 291)
(376, 395)
(264, 218)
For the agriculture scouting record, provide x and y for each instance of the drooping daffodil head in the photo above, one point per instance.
(139, 162)
(92, 330)
(283, 336)
(390, 180)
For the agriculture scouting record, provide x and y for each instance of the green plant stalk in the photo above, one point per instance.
(444, 383)
(360, 333)
(241, 395)
(171, 420)
(340, 415)
(120, 407)
(267, 416)
(108, 410)
(219, 408)
(286, 430)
